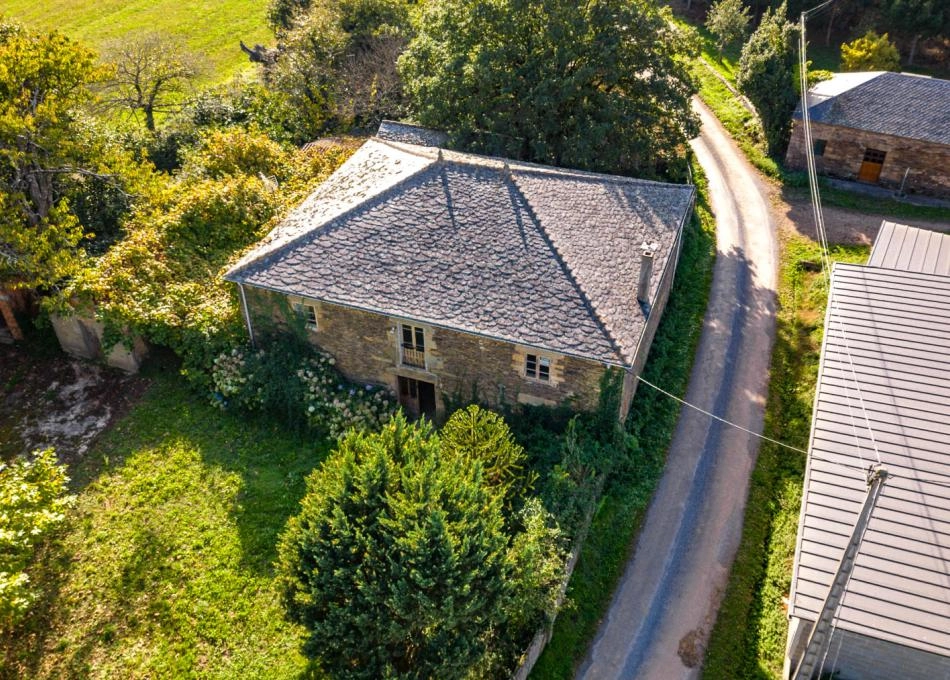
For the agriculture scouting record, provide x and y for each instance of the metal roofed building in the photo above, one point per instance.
(883, 389)
(437, 272)
(882, 128)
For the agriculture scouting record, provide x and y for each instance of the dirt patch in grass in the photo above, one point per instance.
(59, 402)
(845, 227)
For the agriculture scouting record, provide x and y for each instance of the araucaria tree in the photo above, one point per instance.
(592, 85)
(767, 77)
(728, 20)
(402, 562)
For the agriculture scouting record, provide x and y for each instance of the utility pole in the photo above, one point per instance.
(820, 636)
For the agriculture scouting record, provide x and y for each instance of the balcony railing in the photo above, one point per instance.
(413, 357)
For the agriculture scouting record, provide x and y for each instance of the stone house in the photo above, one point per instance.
(441, 273)
(891, 129)
(883, 397)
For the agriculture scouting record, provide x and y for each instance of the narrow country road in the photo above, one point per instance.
(664, 607)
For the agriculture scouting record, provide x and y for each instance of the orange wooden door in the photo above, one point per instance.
(871, 166)
(870, 172)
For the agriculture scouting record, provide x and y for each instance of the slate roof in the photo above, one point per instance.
(407, 133)
(885, 346)
(899, 246)
(898, 104)
(538, 256)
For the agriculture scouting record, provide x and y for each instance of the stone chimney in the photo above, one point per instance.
(647, 251)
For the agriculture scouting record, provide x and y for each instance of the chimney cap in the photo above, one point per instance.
(649, 248)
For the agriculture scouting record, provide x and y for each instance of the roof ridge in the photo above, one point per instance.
(309, 233)
(588, 303)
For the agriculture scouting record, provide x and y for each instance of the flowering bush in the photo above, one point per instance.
(314, 393)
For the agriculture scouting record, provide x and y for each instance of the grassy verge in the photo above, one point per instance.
(211, 28)
(742, 125)
(652, 420)
(166, 568)
(748, 640)
(849, 200)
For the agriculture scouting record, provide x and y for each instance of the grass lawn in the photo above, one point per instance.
(652, 420)
(748, 641)
(165, 570)
(210, 27)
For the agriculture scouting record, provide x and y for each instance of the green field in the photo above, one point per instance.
(211, 28)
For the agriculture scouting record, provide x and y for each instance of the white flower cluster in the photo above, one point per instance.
(337, 406)
(329, 402)
(233, 381)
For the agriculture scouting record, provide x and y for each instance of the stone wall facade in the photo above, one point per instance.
(927, 164)
(860, 657)
(366, 347)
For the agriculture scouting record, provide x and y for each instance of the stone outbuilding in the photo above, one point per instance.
(439, 273)
(890, 129)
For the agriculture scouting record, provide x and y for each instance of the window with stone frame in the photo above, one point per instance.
(819, 146)
(308, 313)
(537, 367)
(413, 345)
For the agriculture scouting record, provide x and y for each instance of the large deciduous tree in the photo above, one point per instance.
(592, 85)
(767, 77)
(151, 73)
(402, 563)
(44, 82)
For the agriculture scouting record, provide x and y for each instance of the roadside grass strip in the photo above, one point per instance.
(652, 420)
(748, 640)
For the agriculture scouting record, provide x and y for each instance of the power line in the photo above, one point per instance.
(721, 420)
(823, 234)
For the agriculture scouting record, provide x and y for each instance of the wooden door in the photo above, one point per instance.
(871, 166)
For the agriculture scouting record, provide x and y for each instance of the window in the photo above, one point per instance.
(308, 313)
(874, 156)
(537, 367)
(413, 346)
(819, 147)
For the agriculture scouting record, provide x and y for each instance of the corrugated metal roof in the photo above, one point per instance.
(899, 246)
(887, 334)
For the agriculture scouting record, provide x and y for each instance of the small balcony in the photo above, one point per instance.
(413, 357)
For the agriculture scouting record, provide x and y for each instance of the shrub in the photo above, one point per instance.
(306, 391)
(870, 52)
(32, 505)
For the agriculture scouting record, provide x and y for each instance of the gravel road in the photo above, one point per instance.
(662, 612)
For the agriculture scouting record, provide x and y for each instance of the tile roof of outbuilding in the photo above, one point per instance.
(898, 104)
(883, 388)
(530, 254)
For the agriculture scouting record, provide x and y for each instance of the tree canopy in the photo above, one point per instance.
(402, 562)
(767, 77)
(728, 20)
(587, 85)
(44, 80)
